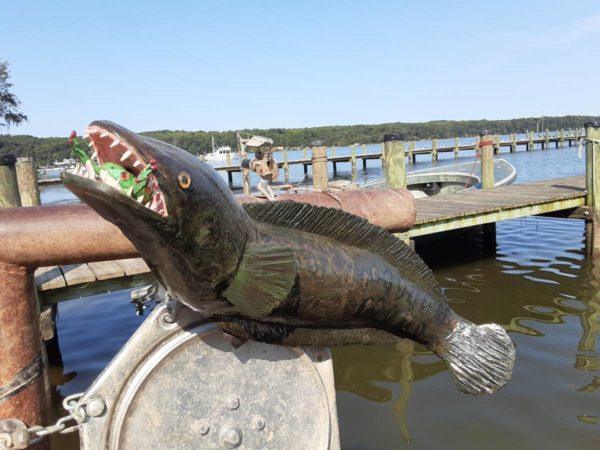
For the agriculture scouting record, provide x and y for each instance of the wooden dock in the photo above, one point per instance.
(478, 207)
(59, 283)
(530, 142)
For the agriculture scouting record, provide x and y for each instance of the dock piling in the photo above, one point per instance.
(434, 154)
(395, 167)
(592, 162)
(456, 143)
(286, 167)
(9, 187)
(29, 190)
(353, 161)
(319, 167)
(487, 161)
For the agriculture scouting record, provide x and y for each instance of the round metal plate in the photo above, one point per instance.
(195, 390)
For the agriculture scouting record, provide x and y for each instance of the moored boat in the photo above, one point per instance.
(451, 178)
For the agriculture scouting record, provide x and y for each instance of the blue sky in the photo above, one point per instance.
(222, 65)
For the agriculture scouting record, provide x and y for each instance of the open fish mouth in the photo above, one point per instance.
(114, 162)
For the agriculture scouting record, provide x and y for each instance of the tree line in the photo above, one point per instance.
(47, 150)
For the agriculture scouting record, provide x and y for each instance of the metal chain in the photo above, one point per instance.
(76, 412)
(15, 435)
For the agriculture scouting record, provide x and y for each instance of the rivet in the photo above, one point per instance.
(259, 423)
(233, 403)
(95, 407)
(204, 429)
(231, 437)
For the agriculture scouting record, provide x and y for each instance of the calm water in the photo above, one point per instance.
(538, 284)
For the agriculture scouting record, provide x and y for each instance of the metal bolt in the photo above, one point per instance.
(21, 438)
(259, 423)
(204, 429)
(233, 403)
(231, 437)
(95, 407)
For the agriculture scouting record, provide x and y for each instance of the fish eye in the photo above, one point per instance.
(184, 180)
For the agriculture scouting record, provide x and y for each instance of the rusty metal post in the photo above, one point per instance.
(24, 388)
(9, 189)
(28, 184)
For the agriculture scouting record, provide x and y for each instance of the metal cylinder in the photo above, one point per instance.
(24, 388)
(391, 209)
(66, 234)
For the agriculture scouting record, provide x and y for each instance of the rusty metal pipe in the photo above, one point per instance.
(24, 388)
(391, 209)
(66, 234)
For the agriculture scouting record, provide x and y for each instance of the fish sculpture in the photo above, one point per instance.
(279, 272)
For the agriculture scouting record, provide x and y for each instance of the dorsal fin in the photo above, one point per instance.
(348, 229)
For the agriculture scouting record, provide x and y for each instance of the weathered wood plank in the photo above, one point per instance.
(104, 270)
(133, 266)
(77, 274)
(49, 278)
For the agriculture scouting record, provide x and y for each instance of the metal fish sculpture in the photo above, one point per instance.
(281, 272)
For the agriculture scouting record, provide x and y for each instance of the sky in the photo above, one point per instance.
(226, 65)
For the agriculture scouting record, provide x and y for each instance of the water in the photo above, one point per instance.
(538, 284)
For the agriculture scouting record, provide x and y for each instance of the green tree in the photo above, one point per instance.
(9, 103)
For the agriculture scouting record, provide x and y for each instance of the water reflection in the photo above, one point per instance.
(538, 280)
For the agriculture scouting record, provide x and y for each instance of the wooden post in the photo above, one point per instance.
(562, 138)
(487, 161)
(319, 168)
(513, 144)
(547, 138)
(305, 153)
(333, 151)
(353, 160)
(411, 156)
(496, 144)
(9, 187)
(592, 169)
(395, 168)
(364, 154)
(286, 167)
(228, 158)
(456, 146)
(434, 155)
(27, 180)
(531, 143)
(383, 155)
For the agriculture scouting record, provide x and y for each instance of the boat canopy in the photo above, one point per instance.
(254, 142)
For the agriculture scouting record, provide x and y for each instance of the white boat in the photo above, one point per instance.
(451, 178)
(222, 153)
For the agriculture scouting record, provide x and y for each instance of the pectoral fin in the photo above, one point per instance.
(264, 279)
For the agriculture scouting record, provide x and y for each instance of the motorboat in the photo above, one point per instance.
(447, 179)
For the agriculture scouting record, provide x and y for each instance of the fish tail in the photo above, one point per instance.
(480, 357)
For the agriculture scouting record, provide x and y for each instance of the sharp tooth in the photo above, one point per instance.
(95, 154)
(136, 163)
(91, 144)
(115, 143)
(129, 191)
(126, 155)
(104, 134)
(103, 175)
(140, 199)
